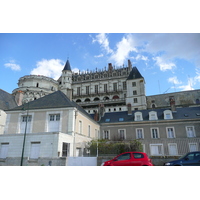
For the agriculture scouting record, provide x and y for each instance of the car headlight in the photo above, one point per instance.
(167, 164)
(102, 164)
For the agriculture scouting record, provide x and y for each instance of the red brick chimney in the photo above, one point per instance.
(172, 103)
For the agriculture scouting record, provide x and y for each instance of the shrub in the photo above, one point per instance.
(113, 147)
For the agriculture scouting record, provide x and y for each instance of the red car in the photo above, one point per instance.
(129, 159)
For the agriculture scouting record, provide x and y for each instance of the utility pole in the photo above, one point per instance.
(24, 136)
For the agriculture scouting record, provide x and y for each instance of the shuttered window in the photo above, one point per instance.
(172, 149)
(25, 124)
(54, 122)
(4, 150)
(35, 150)
(156, 149)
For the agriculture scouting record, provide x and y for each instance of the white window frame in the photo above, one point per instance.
(160, 151)
(168, 114)
(108, 134)
(124, 132)
(48, 114)
(153, 115)
(157, 132)
(138, 116)
(188, 134)
(29, 123)
(34, 155)
(89, 130)
(190, 144)
(167, 132)
(170, 150)
(142, 133)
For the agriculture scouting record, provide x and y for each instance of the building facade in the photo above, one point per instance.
(162, 132)
(53, 128)
(108, 104)
(116, 88)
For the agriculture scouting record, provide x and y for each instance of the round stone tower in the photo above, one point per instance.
(32, 87)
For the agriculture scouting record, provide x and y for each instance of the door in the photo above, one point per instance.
(122, 160)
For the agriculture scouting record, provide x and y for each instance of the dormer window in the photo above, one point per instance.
(138, 116)
(153, 115)
(168, 114)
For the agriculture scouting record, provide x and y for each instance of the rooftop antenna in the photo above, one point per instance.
(159, 86)
(166, 90)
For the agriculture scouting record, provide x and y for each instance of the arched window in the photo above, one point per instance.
(87, 100)
(78, 100)
(96, 99)
(138, 116)
(37, 85)
(106, 98)
(153, 115)
(168, 114)
(115, 97)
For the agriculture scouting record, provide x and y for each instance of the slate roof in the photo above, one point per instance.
(134, 74)
(54, 100)
(7, 101)
(67, 66)
(181, 113)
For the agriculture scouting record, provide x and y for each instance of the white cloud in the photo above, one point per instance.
(141, 57)
(75, 70)
(186, 87)
(103, 41)
(51, 68)
(174, 80)
(164, 65)
(99, 56)
(12, 65)
(124, 47)
(173, 45)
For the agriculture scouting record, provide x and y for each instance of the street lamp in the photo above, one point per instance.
(24, 135)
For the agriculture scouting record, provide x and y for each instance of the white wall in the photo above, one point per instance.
(2, 121)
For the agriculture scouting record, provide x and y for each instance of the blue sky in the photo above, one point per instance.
(169, 62)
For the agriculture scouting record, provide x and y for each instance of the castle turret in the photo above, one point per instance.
(136, 90)
(66, 80)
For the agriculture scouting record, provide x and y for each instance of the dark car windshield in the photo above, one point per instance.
(190, 156)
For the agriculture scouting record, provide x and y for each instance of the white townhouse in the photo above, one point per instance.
(46, 131)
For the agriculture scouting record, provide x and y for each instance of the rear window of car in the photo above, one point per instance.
(138, 155)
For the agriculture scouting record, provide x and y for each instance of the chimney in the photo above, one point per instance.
(129, 109)
(172, 103)
(19, 97)
(96, 116)
(129, 65)
(110, 67)
(101, 110)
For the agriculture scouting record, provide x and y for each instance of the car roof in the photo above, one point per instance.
(133, 152)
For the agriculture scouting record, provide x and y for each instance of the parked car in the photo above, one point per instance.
(129, 159)
(189, 159)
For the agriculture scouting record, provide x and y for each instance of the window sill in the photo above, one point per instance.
(32, 160)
